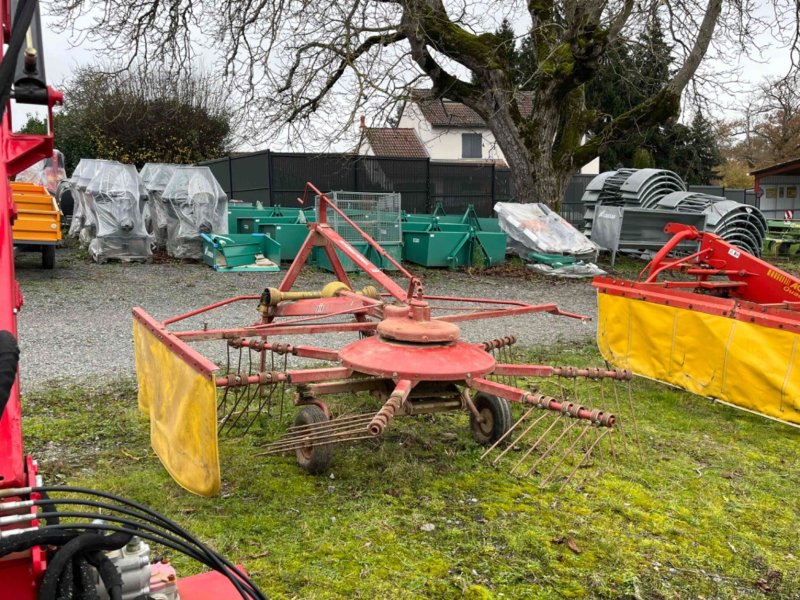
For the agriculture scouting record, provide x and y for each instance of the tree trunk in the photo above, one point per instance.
(536, 175)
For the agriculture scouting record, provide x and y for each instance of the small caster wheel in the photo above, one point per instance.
(314, 459)
(496, 415)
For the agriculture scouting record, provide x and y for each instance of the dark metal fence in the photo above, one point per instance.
(278, 178)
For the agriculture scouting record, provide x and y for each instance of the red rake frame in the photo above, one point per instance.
(409, 341)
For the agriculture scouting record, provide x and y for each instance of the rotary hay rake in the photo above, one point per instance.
(408, 355)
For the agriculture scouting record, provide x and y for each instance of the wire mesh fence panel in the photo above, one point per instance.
(377, 214)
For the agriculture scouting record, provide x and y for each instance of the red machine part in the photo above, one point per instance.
(722, 280)
(748, 277)
(21, 572)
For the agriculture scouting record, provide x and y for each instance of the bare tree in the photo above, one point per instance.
(309, 68)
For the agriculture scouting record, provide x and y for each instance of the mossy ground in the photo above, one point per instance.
(710, 511)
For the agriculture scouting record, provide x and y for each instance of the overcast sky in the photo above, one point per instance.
(63, 55)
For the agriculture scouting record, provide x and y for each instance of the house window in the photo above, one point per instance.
(471, 145)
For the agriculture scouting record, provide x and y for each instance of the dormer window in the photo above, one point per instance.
(471, 145)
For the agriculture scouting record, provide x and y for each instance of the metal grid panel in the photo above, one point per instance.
(378, 214)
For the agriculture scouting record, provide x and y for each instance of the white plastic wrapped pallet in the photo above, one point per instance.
(116, 200)
(194, 203)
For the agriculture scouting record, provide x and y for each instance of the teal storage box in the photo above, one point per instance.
(241, 252)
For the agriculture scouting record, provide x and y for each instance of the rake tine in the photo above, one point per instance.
(532, 448)
(266, 399)
(316, 432)
(552, 447)
(583, 459)
(316, 440)
(363, 416)
(283, 389)
(633, 420)
(247, 393)
(239, 394)
(507, 433)
(619, 425)
(298, 446)
(565, 455)
(520, 436)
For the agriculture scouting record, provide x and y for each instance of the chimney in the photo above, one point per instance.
(363, 121)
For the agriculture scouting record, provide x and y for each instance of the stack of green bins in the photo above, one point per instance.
(448, 241)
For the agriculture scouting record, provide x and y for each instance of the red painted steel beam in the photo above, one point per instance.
(273, 329)
(198, 311)
(302, 351)
(513, 394)
(188, 354)
(297, 376)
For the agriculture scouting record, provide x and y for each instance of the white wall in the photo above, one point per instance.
(444, 143)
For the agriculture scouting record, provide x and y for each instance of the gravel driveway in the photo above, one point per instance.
(76, 321)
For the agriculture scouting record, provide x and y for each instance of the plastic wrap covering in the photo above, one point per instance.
(81, 176)
(115, 202)
(194, 203)
(48, 172)
(155, 177)
(534, 228)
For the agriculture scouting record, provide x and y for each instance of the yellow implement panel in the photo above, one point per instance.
(181, 403)
(742, 363)
(38, 218)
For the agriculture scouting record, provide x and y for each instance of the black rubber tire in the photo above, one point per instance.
(497, 415)
(313, 459)
(48, 257)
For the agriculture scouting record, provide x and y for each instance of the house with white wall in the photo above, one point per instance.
(454, 132)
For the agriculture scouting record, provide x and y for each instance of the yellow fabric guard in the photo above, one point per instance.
(182, 406)
(745, 364)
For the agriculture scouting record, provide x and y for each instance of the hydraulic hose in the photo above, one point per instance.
(9, 358)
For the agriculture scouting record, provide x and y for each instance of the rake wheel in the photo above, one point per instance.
(496, 415)
(314, 458)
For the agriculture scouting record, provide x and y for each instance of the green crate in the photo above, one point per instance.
(290, 236)
(237, 252)
(454, 248)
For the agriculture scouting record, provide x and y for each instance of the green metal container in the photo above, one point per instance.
(453, 247)
(238, 252)
(290, 236)
(320, 258)
(393, 249)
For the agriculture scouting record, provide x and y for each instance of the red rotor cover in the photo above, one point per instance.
(454, 361)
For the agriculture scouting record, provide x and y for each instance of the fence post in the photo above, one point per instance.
(269, 175)
(230, 177)
(494, 175)
(428, 206)
(355, 173)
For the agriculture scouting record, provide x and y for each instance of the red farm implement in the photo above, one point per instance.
(61, 541)
(719, 322)
(407, 352)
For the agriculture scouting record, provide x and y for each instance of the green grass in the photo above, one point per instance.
(711, 510)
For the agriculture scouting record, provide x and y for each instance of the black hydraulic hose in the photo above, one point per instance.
(21, 21)
(29, 539)
(108, 572)
(171, 524)
(62, 562)
(9, 358)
